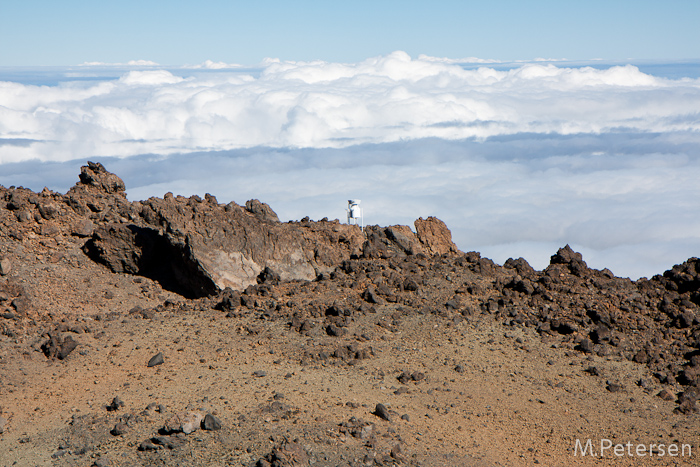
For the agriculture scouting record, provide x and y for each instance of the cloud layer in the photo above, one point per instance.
(320, 104)
(517, 162)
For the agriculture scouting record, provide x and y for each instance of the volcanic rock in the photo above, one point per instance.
(58, 347)
(170, 442)
(156, 360)
(200, 247)
(116, 404)
(262, 211)
(119, 429)
(149, 445)
(434, 235)
(102, 462)
(382, 412)
(5, 266)
(95, 175)
(185, 422)
(286, 455)
(402, 236)
(211, 423)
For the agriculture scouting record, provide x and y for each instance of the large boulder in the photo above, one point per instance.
(196, 246)
(570, 258)
(95, 175)
(435, 237)
(232, 244)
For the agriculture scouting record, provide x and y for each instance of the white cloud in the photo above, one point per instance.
(141, 63)
(211, 65)
(320, 104)
(517, 162)
(466, 60)
(151, 78)
(130, 63)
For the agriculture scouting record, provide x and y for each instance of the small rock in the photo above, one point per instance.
(689, 395)
(370, 295)
(641, 357)
(262, 211)
(287, 455)
(102, 462)
(59, 348)
(666, 395)
(119, 429)
(367, 432)
(406, 417)
(83, 228)
(268, 276)
(259, 373)
(116, 404)
(170, 442)
(49, 211)
(687, 407)
(3, 424)
(211, 423)
(601, 334)
(614, 387)
(382, 412)
(186, 422)
(415, 376)
(157, 359)
(21, 305)
(5, 266)
(149, 445)
(49, 229)
(333, 330)
(586, 345)
(644, 383)
(24, 216)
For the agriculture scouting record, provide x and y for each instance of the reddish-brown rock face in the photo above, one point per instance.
(435, 237)
(197, 246)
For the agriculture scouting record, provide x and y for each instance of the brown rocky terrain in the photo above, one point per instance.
(182, 331)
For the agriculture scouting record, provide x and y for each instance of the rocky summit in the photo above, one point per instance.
(184, 331)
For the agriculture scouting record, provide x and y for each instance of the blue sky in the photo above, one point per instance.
(70, 32)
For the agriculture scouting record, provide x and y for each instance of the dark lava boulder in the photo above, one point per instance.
(570, 258)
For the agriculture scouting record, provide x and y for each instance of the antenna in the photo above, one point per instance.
(355, 213)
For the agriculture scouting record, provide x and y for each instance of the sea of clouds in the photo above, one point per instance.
(518, 160)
